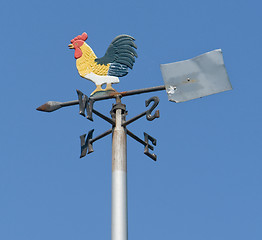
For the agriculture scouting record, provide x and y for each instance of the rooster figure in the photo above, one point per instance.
(119, 56)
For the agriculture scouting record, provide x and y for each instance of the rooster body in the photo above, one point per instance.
(119, 56)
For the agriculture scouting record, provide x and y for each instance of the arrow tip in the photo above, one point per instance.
(49, 106)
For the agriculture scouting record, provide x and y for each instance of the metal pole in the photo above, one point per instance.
(119, 174)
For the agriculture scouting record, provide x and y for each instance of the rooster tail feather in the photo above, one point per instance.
(121, 37)
(122, 42)
(125, 48)
(120, 54)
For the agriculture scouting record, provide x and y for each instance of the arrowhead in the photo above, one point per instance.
(50, 106)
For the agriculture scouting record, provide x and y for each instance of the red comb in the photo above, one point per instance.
(82, 37)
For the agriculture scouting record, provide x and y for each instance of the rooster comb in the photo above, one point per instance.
(82, 37)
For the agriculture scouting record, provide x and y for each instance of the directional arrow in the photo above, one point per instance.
(51, 106)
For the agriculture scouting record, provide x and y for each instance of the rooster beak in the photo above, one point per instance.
(71, 46)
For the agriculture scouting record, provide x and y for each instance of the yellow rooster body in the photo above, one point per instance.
(89, 69)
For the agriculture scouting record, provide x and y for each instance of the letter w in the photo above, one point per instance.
(85, 104)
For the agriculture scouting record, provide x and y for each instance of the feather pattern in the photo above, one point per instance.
(120, 55)
(86, 63)
(117, 69)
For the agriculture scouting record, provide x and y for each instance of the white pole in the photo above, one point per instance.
(119, 178)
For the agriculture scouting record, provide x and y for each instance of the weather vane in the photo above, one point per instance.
(185, 80)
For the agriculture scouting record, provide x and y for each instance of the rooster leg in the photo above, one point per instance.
(98, 89)
(109, 87)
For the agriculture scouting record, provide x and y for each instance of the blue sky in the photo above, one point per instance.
(206, 183)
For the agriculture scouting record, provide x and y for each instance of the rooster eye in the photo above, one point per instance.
(76, 44)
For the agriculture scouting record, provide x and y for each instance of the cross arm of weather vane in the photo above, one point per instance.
(51, 106)
(86, 106)
(149, 117)
(87, 142)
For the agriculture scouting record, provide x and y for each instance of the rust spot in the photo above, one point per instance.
(44, 108)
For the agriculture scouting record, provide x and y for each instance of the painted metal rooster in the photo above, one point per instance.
(119, 56)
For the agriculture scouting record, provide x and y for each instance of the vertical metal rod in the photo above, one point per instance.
(119, 176)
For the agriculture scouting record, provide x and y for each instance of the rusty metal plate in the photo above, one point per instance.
(197, 77)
